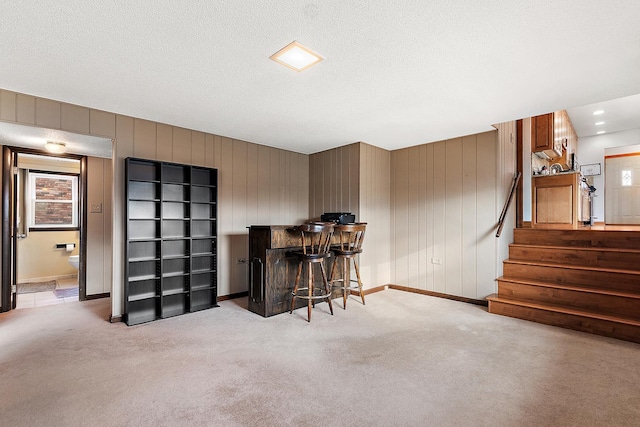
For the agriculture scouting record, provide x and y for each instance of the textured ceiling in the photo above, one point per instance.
(396, 73)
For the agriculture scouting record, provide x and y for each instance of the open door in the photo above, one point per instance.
(9, 229)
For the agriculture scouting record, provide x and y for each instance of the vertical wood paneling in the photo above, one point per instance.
(74, 118)
(26, 109)
(164, 142)
(401, 225)
(450, 214)
(181, 145)
(264, 190)
(430, 214)
(237, 236)
(225, 215)
(274, 190)
(453, 217)
(421, 190)
(374, 209)
(197, 148)
(303, 177)
(208, 150)
(144, 139)
(469, 210)
(257, 184)
(486, 213)
(239, 185)
(102, 123)
(413, 199)
(47, 113)
(252, 185)
(439, 216)
(8, 105)
(107, 213)
(123, 148)
(95, 227)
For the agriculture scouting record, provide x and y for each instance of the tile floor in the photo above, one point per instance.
(39, 299)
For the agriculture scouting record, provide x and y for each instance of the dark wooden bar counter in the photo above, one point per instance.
(271, 273)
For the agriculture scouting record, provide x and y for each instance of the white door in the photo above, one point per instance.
(622, 189)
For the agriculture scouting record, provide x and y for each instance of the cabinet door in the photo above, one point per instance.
(542, 132)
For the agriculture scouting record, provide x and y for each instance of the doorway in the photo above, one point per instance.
(622, 189)
(46, 218)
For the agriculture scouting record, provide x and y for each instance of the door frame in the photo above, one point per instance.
(7, 252)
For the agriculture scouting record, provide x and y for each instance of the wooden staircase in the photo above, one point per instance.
(585, 280)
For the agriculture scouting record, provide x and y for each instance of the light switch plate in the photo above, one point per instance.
(96, 207)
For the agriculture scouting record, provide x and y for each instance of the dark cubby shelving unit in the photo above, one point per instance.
(171, 239)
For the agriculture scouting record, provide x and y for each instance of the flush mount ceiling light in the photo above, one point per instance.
(600, 132)
(599, 123)
(598, 112)
(296, 56)
(55, 147)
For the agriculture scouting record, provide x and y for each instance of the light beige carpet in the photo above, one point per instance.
(401, 360)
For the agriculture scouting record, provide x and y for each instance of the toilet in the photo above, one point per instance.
(74, 260)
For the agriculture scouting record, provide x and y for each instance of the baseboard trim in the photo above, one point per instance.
(422, 292)
(98, 296)
(116, 319)
(233, 296)
(440, 295)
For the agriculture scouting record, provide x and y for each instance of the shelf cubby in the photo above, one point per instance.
(171, 239)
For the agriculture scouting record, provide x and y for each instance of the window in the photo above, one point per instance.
(53, 201)
(626, 178)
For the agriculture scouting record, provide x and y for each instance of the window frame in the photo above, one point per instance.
(32, 175)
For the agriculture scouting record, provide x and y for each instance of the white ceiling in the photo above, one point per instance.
(395, 74)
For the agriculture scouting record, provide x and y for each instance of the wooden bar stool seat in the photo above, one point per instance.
(351, 237)
(315, 248)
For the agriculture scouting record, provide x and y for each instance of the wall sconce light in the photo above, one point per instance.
(55, 147)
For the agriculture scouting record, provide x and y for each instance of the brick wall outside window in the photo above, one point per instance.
(54, 201)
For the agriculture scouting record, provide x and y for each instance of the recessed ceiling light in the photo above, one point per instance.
(598, 112)
(600, 132)
(599, 123)
(55, 147)
(296, 56)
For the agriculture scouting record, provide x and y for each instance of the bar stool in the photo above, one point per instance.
(316, 242)
(351, 238)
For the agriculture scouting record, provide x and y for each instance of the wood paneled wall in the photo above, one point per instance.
(99, 232)
(334, 179)
(355, 178)
(375, 210)
(257, 184)
(445, 201)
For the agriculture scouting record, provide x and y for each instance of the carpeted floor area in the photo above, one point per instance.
(401, 360)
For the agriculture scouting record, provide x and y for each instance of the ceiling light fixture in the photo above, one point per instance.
(600, 132)
(598, 112)
(55, 147)
(599, 123)
(296, 56)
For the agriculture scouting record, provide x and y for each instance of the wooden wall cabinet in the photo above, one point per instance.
(171, 239)
(543, 138)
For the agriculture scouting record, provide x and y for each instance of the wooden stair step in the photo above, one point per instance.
(574, 267)
(589, 289)
(594, 277)
(578, 238)
(567, 317)
(594, 299)
(619, 258)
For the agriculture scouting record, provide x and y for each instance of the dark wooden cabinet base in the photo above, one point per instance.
(272, 273)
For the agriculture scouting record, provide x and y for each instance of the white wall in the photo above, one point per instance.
(591, 149)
